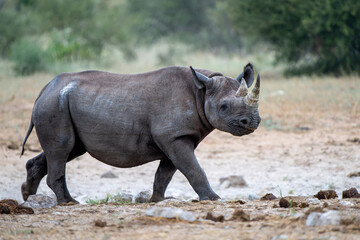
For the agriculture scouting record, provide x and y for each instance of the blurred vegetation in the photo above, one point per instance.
(311, 36)
(320, 37)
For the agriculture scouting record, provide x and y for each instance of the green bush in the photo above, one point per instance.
(28, 57)
(310, 36)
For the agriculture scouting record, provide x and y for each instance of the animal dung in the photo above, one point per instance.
(210, 216)
(268, 197)
(284, 203)
(327, 194)
(99, 223)
(239, 214)
(10, 206)
(351, 193)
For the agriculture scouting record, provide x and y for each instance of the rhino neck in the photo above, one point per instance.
(205, 127)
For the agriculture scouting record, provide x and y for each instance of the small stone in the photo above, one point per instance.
(170, 212)
(313, 201)
(233, 181)
(327, 194)
(351, 193)
(252, 197)
(284, 203)
(354, 140)
(210, 216)
(109, 174)
(239, 214)
(40, 201)
(268, 197)
(354, 174)
(322, 219)
(99, 223)
(346, 203)
(12, 146)
(143, 197)
(123, 197)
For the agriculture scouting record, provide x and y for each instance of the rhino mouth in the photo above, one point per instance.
(236, 126)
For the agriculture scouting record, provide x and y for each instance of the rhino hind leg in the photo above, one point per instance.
(36, 169)
(163, 176)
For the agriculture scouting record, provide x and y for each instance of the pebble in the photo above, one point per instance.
(346, 203)
(233, 181)
(40, 201)
(109, 174)
(170, 212)
(123, 197)
(321, 219)
(143, 197)
(313, 201)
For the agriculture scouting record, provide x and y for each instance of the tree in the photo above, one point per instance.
(311, 36)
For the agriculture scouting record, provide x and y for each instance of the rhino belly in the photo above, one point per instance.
(122, 150)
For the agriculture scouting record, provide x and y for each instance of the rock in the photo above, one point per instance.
(12, 146)
(109, 174)
(99, 223)
(284, 203)
(322, 219)
(40, 201)
(313, 201)
(327, 194)
(346, 203)
(351, 193)
(210, 216)
(268, 197)
(123, 197)
(143, 197)
(354, 140)
(239, 214)
(170, 212)
(252, 197)
(354, 174)
(233, 181)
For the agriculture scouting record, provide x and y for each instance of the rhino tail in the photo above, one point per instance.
(31, 126)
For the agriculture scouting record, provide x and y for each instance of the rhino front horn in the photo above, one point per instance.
(253, 97)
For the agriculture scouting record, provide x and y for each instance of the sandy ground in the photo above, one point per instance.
(284, 163)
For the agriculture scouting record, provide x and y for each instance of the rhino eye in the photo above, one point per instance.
(224, 107)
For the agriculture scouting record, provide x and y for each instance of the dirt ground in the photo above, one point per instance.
(314, 146)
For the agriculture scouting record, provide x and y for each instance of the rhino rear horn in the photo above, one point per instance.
(201, 80)
(247, 74)
(253, 97)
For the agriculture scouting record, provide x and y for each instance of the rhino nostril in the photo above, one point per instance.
(244, 121)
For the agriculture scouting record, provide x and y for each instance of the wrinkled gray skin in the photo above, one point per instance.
(129, 120)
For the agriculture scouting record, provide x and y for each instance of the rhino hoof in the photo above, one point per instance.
(25, 191)
(68, 203)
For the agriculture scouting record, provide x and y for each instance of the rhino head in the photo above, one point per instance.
(229, 106)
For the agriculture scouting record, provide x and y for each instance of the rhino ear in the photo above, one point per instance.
(247, 74)
(201, 81)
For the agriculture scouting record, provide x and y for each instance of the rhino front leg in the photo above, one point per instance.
(181, 153)
(163, 176)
